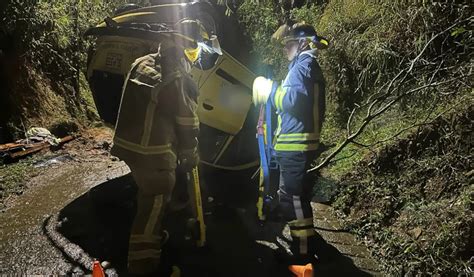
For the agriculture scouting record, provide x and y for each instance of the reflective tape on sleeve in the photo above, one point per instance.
(279, 95)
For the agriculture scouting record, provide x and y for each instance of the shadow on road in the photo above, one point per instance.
(99, 222)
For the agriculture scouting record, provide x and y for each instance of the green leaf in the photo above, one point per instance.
(456, 32)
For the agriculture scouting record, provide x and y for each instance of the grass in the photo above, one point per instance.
(412, 200)
(48, 48)
(13, 178)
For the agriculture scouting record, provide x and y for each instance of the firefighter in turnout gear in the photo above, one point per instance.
(156, 132)
(300, 104)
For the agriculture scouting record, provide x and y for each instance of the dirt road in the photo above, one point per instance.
(81, 208)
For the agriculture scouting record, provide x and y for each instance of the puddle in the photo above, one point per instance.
(54, 160)
(50, 191)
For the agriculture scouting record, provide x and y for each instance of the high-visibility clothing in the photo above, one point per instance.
(300, 104)
(294, 193)
(157, 125)
(157, 120)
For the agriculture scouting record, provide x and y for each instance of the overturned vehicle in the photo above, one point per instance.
(227, 116)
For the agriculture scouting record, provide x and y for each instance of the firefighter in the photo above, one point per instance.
(156, 131)
(300, 104)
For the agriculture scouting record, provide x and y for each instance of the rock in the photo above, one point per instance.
(105, 264)
(104, 145)
(416, 232)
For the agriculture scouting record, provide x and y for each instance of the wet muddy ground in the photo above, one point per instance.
(80, 209)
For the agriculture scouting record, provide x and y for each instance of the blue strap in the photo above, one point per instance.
(263, 150)
(265, 146)
(264, 162)
(269, 113)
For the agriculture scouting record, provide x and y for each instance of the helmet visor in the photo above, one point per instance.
(211, 45)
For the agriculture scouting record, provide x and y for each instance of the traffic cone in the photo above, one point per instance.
(97, 270)
(302, 270)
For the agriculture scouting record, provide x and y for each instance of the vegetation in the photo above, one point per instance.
(42, 62)
(14, 177)
(399, 89)
(399, 78)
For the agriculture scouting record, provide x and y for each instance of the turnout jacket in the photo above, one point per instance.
(300, 104)
(157, 122)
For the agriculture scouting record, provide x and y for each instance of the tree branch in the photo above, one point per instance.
(370, 117)
(389, 89)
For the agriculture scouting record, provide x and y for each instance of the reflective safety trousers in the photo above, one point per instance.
(295, 191)
(300, 104)
(157, 123)
(157, 119)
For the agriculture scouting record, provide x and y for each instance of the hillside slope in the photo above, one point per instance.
(399, 91)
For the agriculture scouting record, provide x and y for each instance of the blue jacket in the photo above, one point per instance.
(300, 104)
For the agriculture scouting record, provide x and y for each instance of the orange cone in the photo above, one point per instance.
(97, 270)
(302, 270)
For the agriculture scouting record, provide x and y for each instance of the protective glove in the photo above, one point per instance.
(188, 159)
(262, 87)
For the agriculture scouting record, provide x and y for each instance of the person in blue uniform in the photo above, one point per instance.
(300, 105)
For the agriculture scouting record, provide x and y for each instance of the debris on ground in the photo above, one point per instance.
(38, 134)
(15, 174)
(36, 140)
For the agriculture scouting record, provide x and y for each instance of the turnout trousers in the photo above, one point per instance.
(154, 192)
(295, 192)
(157, 126)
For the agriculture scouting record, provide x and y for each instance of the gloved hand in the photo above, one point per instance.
(188, 159)
(262, 87)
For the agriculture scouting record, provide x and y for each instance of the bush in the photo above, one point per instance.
(370, 43)
(42, 58)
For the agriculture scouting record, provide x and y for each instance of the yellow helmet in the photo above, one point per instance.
(196, 39)
(300, 31)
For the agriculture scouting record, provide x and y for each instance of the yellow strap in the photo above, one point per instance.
(301, 222)
(145, 150)
(187, 121)
(303, 233)
(144, 254)
(296, 147)
(261, 192)
(200, 214)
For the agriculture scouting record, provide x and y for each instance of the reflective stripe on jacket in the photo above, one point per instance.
(300, 104)
(157, 119)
